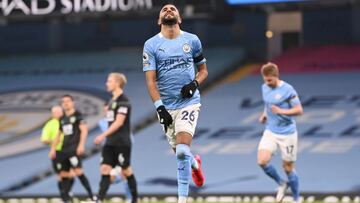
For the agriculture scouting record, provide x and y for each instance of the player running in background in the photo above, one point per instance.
(74, 128)
(117, 148)
(169, 61)
(281, 105)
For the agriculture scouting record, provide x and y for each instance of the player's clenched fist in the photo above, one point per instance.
(187, 91)
(165, 117)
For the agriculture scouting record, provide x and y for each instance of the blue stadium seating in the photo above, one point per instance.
(228, 135)
(79, 72)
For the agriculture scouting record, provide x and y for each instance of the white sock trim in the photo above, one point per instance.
(182, 199)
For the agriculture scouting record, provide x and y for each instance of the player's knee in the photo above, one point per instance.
(262, 163)
(263, 158)
(127, 172)
(64, 174)
(105, 169)
(288, 166)
(78, 171)
(182, 150)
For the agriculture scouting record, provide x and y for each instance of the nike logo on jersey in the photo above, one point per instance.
(161, 50)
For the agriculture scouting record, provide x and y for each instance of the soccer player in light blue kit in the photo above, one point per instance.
(281, 105)
(169, 61)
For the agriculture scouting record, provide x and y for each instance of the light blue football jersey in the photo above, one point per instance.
(285, 97)
(173, 61)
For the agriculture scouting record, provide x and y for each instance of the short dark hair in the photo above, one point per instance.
(169, 3)
(69, 96)
(166, 2)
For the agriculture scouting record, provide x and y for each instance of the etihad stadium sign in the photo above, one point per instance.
(45, 7)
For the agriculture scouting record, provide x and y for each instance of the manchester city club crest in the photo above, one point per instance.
(186, 48)
(278, 96)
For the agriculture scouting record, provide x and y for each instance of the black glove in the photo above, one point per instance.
(187, 91)
(165, 117)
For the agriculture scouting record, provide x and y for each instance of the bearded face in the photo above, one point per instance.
(169, 15)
